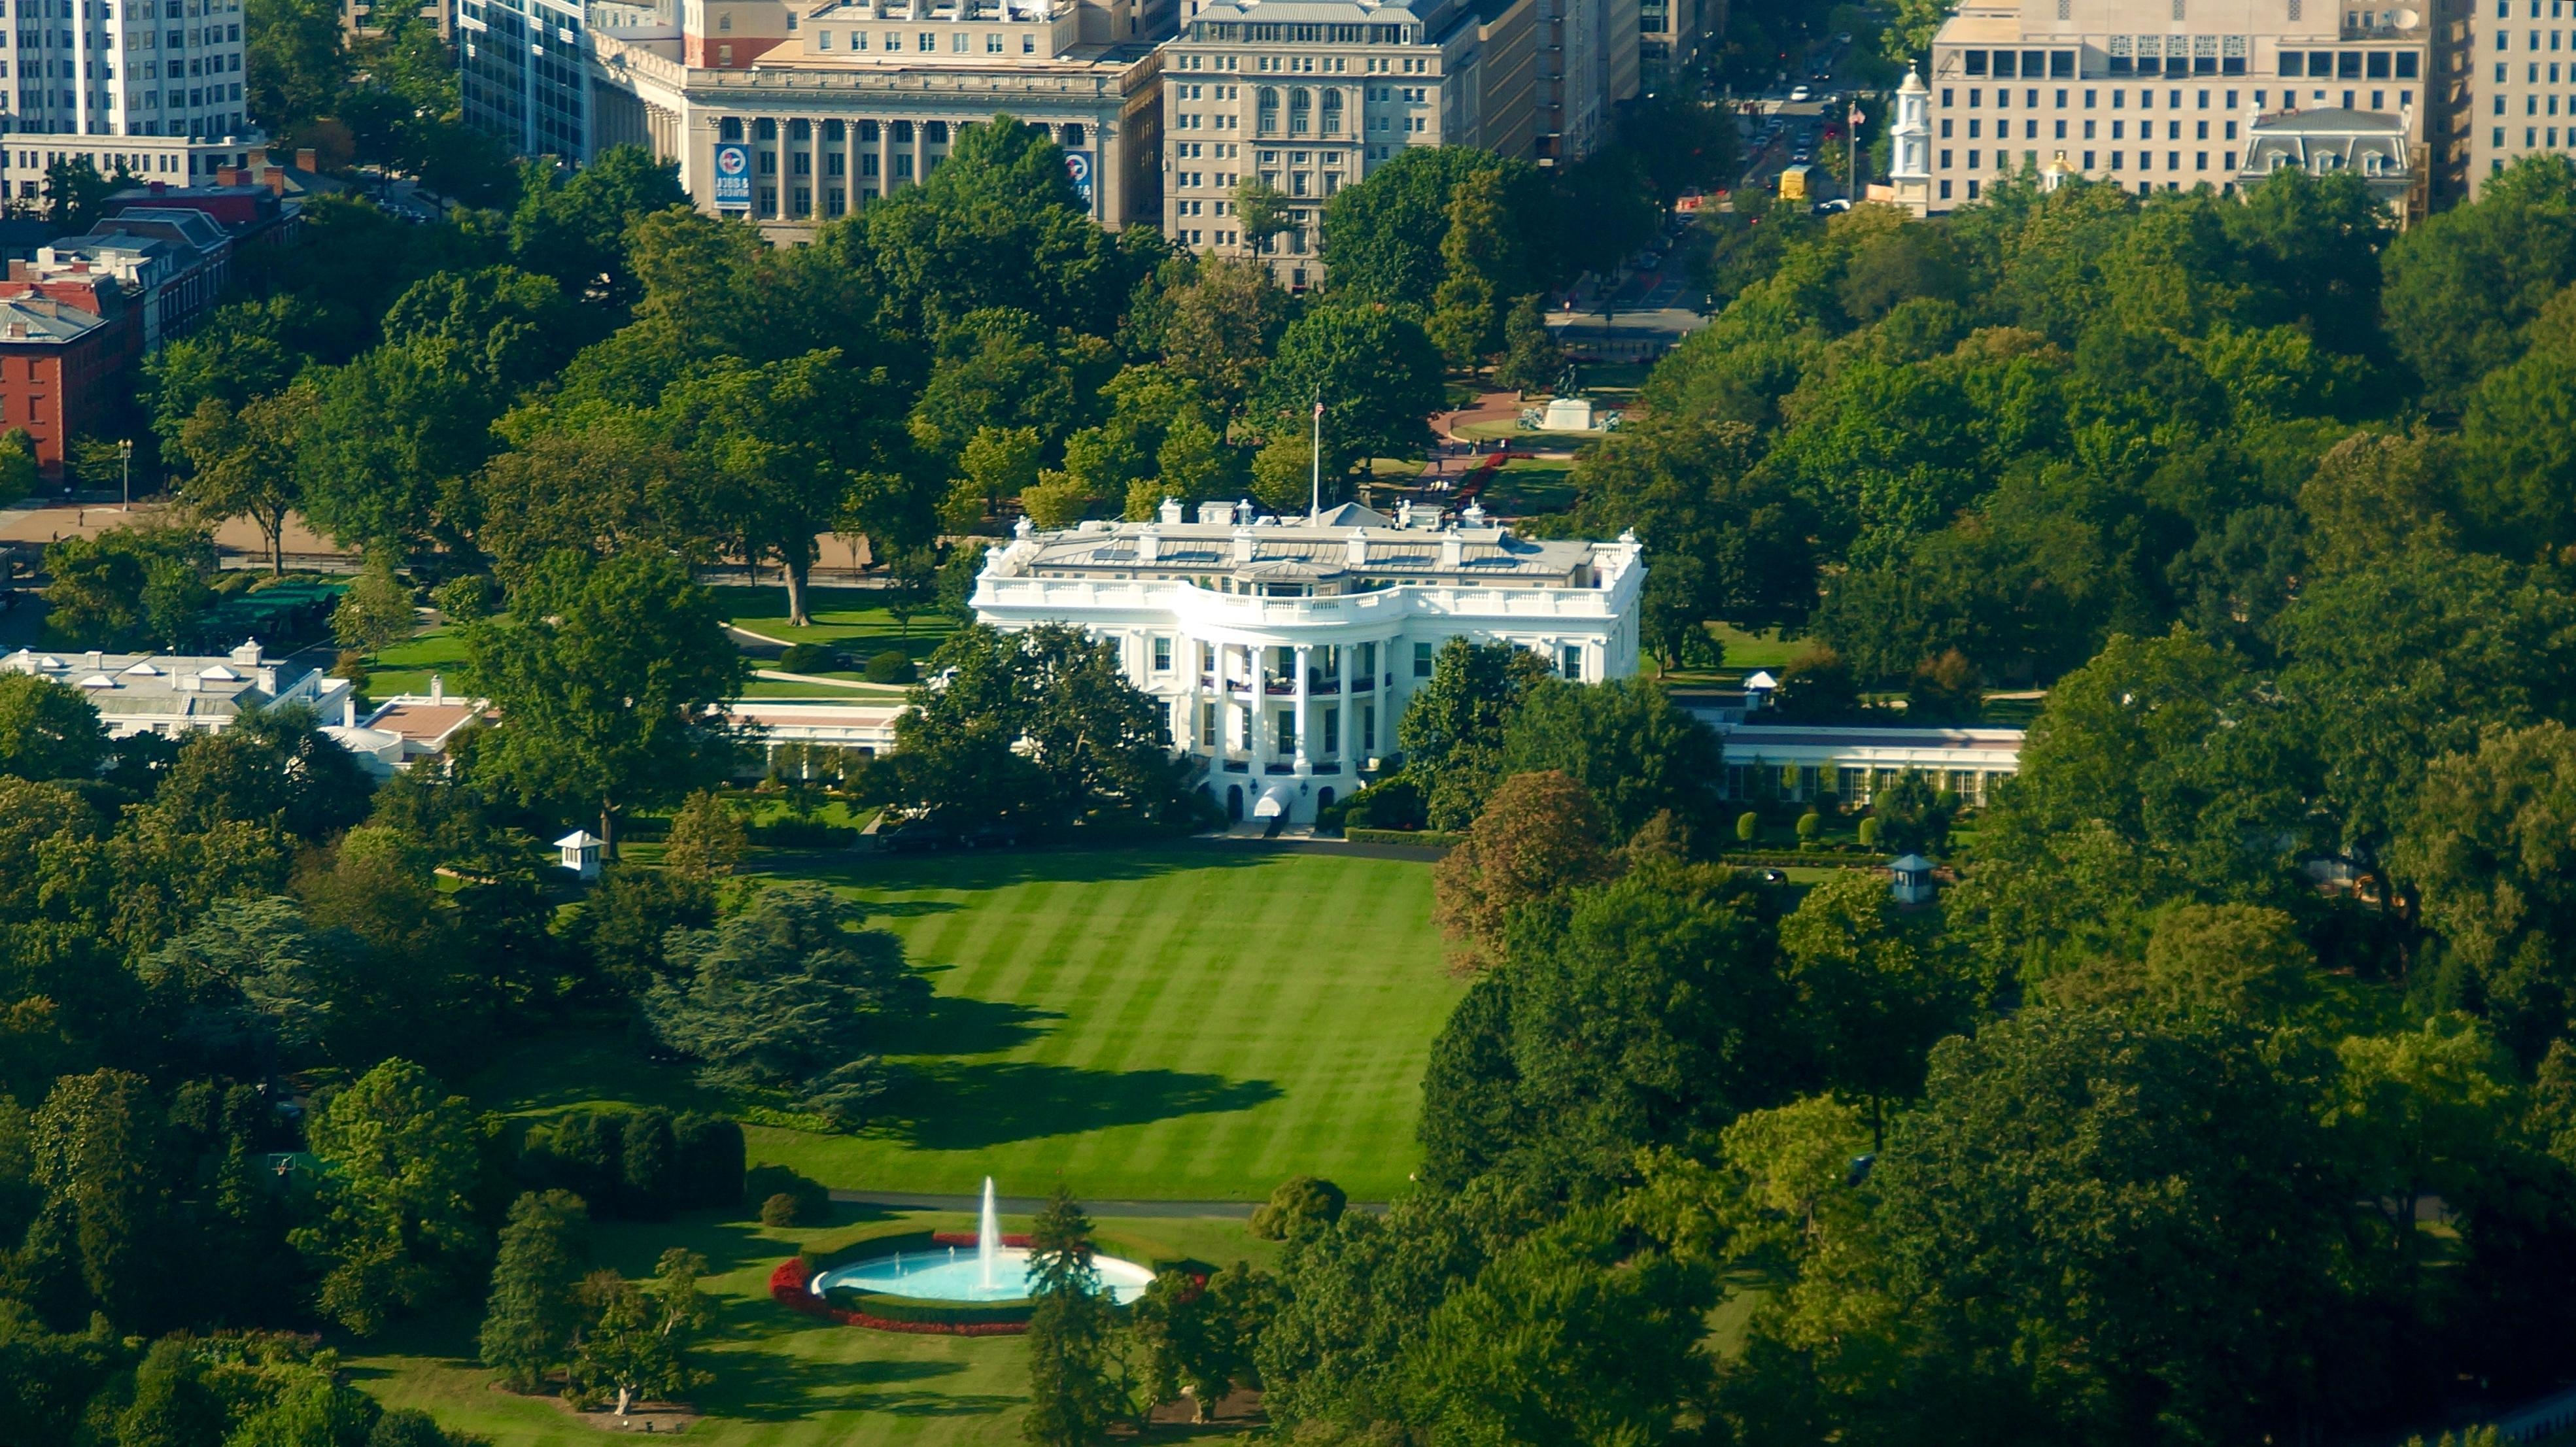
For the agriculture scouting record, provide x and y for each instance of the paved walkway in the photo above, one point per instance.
(1031, 1205)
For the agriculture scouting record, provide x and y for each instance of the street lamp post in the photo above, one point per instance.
(125, 456)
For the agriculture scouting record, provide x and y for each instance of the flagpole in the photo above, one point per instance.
(1315, 493)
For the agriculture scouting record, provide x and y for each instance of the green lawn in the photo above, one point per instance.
(781, 1380)
(406, 667)
(1172, 1023)
(850, 617)
(1531, 485)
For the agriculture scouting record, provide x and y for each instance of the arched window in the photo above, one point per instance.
(1268, 105)
(1301, 107)
(868, 132)
(831, 130)
(1072, 137)
(903, 133)
(1332, 113)
(729, 129)
(764, 129)
(935, 132)
(800, 129)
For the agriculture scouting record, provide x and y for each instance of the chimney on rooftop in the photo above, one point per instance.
(229, 176)
(1453, 549)
(306, 160)
(1148, 544)
(1243, 544)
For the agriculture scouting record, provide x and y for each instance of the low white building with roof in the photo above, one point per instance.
(176, 694)
(1798, 763)
(1285, 648)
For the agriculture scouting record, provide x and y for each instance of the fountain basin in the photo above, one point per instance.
(958, 1275)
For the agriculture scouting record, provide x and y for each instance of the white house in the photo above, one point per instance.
(1284, 648)
(176, 695)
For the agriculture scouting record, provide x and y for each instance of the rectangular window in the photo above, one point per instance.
(1945, 190)
(1366, 667)
(1332, 731)
(1368, 727)
(1162, 653)
(1287, 731)
(1422, 660)
(1569, 661)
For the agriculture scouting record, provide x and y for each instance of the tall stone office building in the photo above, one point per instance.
(2172, 94)
(151, 86)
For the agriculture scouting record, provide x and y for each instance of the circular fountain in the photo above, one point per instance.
(983, 1283)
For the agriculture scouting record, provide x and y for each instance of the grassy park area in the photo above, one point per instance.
(781, 1380)
(854, 619)
(1177, 1023)
(406, 666)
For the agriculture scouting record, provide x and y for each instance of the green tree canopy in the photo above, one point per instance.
(605, 674)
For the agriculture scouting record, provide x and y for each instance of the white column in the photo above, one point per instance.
(1305, 715)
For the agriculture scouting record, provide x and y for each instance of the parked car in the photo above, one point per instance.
(994, 836)
(1801, 156)
(1800, 93)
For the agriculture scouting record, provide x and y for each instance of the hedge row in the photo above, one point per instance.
(1417, 838)
(1810, 858)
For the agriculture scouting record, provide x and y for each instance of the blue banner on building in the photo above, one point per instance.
(1077, 164)
(733, 175)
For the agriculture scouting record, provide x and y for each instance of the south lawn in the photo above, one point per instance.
(1191, 1022)
(780, 1379)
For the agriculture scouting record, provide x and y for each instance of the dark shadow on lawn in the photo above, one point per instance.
(948, 1105)
(959, 1025)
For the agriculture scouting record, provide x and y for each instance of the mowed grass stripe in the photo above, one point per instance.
(1189, 1024)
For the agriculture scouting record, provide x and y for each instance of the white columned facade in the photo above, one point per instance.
(1351, 617)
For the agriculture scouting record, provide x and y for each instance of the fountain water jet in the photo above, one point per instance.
(988, 1237)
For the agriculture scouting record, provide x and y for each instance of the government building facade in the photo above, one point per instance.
(1283, 650)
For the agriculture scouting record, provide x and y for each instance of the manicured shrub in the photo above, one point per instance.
(808, 658)
(650, 1167)
(1810, 825)
(1393, 802)
(1748, 827)
(709, 1152)
(782, 1209)
(891, 666)
(811, 1203)
(1299, 1204)
(1869, 832)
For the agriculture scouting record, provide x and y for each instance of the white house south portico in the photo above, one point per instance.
(1284, 649)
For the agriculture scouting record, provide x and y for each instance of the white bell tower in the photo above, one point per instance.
(1910, 140)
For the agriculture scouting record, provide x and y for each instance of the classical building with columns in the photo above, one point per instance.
(793, 115)
(1285, 649)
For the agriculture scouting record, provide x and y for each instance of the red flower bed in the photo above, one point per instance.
(788, 1287)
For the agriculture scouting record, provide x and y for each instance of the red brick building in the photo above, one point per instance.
(63, 348)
